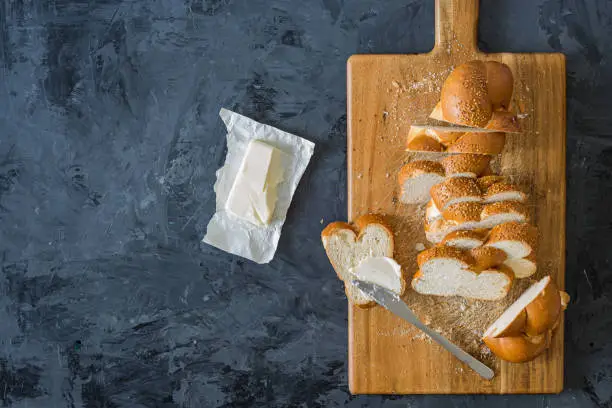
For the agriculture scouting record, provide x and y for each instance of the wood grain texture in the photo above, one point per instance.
(388, 93)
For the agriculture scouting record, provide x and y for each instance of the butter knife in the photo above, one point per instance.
(394, 304)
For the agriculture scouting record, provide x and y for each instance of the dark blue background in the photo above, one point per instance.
(109, 142)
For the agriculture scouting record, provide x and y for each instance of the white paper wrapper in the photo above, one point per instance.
(239, 237)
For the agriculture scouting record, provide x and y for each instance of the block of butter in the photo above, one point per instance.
(254, 192)
(254, 188)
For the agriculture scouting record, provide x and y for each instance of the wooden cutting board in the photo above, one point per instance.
(386, 94)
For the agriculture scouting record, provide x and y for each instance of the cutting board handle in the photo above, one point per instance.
(456, 26)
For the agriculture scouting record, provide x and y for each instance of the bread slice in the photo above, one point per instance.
(465, 165)
(490, 216)
(348, 245)
(454, 139)
(522, 267)
(383, 271)
(479, 143)
(516, 239)
(504, 211)
(503, 191)
(484, 182)
(441, 135)
(540, 304)
(500, 121)
(463, 212)
(464, 239)
(423, 142)
(416, 179)
(488, 257)
(455, 190)
(523, 331)
(448, 271)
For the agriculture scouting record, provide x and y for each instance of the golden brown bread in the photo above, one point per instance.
(418, 167)
(454, 140)
(520, 348)
(502, 207)
(524, 330)
(465, 96)
(501, 190)
(517, 239)
(471, 165)
(424, 143)
(444, 252)
(454, 189)
(479, 143)
(466, 239)
(488, 257)
(486, 181)
(465, 211)
(477, 94)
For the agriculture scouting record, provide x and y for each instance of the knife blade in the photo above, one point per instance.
(394, 304)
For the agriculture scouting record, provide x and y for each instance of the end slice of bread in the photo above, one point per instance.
(348, 245)
(537, 311)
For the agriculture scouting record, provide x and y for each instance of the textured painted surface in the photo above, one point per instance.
(109, 139)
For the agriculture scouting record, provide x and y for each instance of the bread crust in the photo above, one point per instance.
(440, 251)
(484, 182)
(464, 234)
(503, 187)
(543, 312)
(529, 333)
(519, 348)
(501, 207)
(465, 96)
(515, 231)
(467, 211)
(424, 143)
(489, 257)
(452, 188)
(504, 122)
(477, 94)
(419, 167)
(479, 143)
(465, 163)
